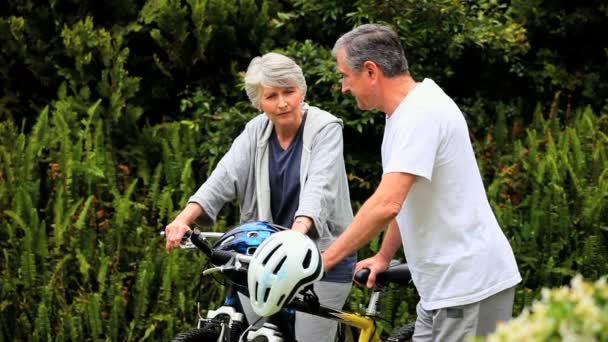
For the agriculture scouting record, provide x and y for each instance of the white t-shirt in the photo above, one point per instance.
(455, 249)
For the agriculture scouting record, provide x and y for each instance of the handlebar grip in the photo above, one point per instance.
(217, 257)
(199, 242)
(362, 275)
(221, 257)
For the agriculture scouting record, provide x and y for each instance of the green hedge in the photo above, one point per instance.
(81, 251)
(112, 113)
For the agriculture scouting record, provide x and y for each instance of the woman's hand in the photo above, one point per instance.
(376, 264)
(174, 232)
(302, 224)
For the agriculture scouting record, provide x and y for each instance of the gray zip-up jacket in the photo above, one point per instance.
(243, 174)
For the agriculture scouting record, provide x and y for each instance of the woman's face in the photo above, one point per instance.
(283, 105)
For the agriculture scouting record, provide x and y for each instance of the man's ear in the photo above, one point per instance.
(371, 69)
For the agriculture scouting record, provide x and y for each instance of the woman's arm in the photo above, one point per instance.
(228, 179)
(223, 185)
(325, 170)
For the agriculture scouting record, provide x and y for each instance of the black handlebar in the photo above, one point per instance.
(217, 257)
(396, 273)
(362, 275)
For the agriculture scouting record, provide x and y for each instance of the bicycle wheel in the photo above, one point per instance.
(210, 332)
(402, 334)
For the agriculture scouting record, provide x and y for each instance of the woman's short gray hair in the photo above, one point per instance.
(272, 70)
(376, 43)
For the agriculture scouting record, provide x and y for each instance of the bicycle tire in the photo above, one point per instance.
(210, 332)
(402, 334)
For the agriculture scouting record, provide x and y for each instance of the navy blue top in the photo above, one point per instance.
(284, 168)
(285, 177)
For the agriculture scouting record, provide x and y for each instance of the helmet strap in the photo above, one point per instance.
(310, 298)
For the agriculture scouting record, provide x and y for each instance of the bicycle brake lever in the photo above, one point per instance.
(217, 269)
(185, 243)
(233, 264)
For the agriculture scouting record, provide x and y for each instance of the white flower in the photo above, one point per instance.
(577, 313)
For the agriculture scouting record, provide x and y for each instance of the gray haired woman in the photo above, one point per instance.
(286, 167)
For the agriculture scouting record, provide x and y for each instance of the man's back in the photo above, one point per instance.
(455, 248)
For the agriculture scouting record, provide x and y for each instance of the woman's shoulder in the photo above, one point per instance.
(257, 123)
(320, 116)
(258, 120)
(317, 121)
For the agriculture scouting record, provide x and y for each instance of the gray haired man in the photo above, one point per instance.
(431, 196)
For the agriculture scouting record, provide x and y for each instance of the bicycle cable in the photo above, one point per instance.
(249, 328)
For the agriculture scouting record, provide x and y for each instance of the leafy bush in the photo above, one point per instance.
(575, 313)
(549, 191)
(113, 112)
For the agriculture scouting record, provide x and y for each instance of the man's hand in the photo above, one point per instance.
(174, 232)
(376, 264)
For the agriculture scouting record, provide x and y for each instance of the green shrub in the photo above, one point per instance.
(113, 112)
(549, 191)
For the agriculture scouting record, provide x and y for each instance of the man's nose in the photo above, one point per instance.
(344, 87)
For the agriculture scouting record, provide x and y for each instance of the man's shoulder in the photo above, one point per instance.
(428, 92)
(431, 101)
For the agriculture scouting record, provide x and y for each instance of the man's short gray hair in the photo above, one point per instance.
(272, 70)
(376, 43)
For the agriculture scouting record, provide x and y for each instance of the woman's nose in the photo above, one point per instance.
(282, 101)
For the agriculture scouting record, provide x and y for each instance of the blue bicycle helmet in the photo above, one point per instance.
(246, 237)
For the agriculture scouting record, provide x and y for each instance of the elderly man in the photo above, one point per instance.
(431, 196)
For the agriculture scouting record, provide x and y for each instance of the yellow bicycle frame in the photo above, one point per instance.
(368, 330)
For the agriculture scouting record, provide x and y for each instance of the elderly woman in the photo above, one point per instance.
(286, 167)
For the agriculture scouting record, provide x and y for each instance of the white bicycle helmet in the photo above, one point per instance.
(281, 267)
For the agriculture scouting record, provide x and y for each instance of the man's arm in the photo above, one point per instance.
(380, 262)
(391, 241)
(376, 212)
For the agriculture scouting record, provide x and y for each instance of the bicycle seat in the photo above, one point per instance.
(398, 274)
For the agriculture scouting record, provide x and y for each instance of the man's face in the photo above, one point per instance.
(357, 83)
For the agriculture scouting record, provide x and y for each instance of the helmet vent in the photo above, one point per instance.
(278, 268)
(271, 254)
(252, 234)
(280, 302)
(306, 261)
(251, 250)
(228, 239)
(266, 293)
(255, 293)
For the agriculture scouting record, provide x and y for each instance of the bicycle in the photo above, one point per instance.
(228, 324)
